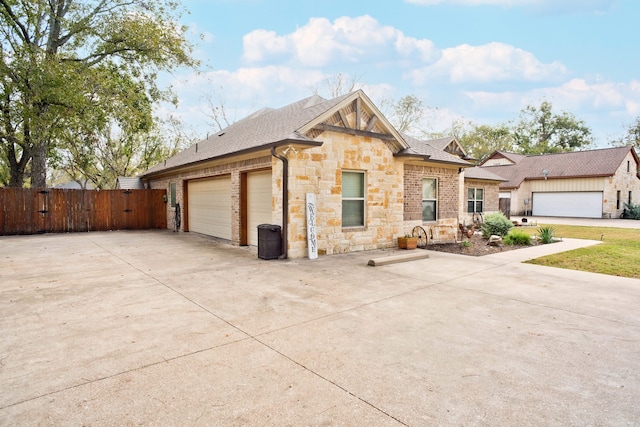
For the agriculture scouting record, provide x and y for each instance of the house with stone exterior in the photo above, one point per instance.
(588, 184)
(371, 183)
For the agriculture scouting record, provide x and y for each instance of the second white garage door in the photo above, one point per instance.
(569, 204)
(259, 210)
(210, 207)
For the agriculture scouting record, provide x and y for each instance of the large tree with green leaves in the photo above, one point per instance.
(73, 68)
(540, 131)
(479, 141)
(632, 136)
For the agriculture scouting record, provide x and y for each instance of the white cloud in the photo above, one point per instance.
(321, 42)
(493, 62)
(605, 106)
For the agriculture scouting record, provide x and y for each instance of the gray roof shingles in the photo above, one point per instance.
(269, 126)
(576, 164)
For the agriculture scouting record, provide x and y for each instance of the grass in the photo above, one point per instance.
(618, 255)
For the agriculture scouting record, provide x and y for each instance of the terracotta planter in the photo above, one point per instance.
(407, 242)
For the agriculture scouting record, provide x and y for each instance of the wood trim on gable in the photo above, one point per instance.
(356, 132)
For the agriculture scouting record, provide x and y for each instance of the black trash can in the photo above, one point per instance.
(269, 241)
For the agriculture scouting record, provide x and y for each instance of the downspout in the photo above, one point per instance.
(285, 200)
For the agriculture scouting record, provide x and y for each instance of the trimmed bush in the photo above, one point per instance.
(517, 237)
(496, 223)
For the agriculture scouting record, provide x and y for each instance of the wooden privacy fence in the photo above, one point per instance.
(54, 210)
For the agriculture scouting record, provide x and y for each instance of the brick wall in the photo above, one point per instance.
(491, 198)
(448, 191)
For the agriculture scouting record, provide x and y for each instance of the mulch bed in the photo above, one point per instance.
(478, 247)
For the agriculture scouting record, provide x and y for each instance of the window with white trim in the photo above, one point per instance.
(475, 200)
(172, 194)
(429, 199)
(353, 199)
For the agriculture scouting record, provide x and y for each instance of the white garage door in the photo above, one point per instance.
(258, 203)
(577, 204)
(210, 207)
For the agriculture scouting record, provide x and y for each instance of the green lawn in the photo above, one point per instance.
(618, 255)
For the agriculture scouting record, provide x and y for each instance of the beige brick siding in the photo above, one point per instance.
(448, 191)
(491, 202)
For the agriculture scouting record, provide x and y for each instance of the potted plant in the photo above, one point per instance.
(407, 242)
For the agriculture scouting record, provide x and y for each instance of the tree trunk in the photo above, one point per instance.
(39, 166)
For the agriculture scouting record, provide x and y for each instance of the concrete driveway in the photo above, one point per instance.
(158, 328)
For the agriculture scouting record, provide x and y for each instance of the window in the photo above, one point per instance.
(628, 166)
(172, 194)
(429, 199)
(353, 199)
(475, 199)
(629, 198)
(618, 196)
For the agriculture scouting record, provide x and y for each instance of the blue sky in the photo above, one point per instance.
(474, 60)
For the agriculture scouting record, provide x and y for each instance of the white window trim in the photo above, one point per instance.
(429, 200)
(363, 199)
(475, 199)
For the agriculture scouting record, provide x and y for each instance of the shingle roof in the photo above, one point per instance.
(266, 127)
(477, 172)
(128, 183)
(425, 148)
(576, 164)
(259, 129)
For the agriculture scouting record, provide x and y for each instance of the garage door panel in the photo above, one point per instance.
(568, 204)
(210, 207)
(259, 203)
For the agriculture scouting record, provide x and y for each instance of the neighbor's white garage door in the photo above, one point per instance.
(210, 207)
(258, 203)
(576, 204)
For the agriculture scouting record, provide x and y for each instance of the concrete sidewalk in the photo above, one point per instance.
(160, 328)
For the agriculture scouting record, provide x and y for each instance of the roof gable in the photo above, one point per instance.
(355, 114)
(300, 122)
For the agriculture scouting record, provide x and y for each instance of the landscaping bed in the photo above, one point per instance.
(477, 246)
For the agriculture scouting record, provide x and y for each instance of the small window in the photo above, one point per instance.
(353, 185)
(628, 166)
(618, 197)
(629, 198)
(475, 200)
(429, 199)
(172, 194)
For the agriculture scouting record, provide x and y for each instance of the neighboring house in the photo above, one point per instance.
(128, 183)
(371, 183)
(589, 184)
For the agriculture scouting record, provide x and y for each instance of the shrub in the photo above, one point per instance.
(517, 237)
(496, 223)
(546, 234)
(631, 211)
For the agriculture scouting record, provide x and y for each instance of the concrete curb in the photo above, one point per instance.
(394, 259)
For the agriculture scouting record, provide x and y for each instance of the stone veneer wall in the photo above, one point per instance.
(319, 170)
(234, 169)
(623, 181)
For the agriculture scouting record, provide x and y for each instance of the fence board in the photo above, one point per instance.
(30, 211)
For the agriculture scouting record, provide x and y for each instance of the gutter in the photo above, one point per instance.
(285, 201)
